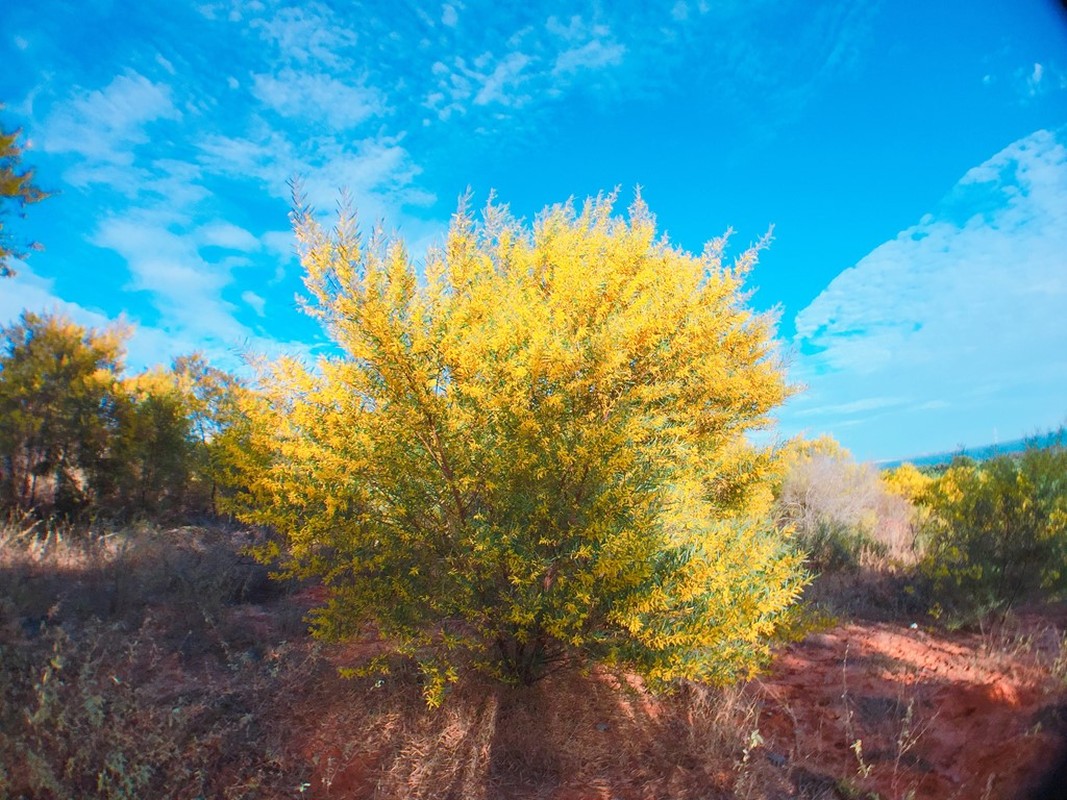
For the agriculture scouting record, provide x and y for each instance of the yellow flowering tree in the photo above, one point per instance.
(17, 190)
(533, 451)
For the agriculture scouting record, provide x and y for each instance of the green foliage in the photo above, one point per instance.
(153, 450)
(212, 401)
(17, 190)
(536, 455)
(57, 408)
(76, 436)
(998, 529)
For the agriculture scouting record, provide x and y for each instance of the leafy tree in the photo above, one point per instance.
(535, 453)
(57, 408)
(17, 190)
(153, 452)
(212, 398)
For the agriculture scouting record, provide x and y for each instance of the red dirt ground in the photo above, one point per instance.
(862, 710)
(936, 715)
(873, 710)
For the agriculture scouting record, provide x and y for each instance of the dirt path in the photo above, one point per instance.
(896, 710)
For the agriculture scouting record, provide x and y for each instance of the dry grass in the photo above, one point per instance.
(160, 663)
(571, 735)
(124, 671)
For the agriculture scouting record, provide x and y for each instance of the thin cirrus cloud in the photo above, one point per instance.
(965, 308)
(540, 60)
(303, 96)
(226, 235)
(588, 46)
(105, 124)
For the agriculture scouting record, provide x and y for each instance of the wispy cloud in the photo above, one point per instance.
(148, 346)
(1040, 79)
(257, 303)
(310, 33)
(317, 98)
(587, 46)
(184, 287)
(105, 125)
(964, 306)
(310, 91)
(539, 61)
(227, 235)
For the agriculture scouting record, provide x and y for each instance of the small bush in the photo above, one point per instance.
(998, 530)
(843, 513)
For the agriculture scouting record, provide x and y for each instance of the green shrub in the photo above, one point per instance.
(997, 530)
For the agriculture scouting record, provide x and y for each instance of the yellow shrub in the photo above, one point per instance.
(534, 452)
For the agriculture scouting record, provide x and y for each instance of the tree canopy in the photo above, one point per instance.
(76, 434)
(533, 450)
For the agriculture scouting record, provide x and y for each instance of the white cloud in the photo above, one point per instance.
(21, 42)
(316, 97)
(184, 288)
(378, 172)
(265, 156)
(854, 407)
(186, 291)
(449, 17)
(29, 291)
(280, 243)
(1039, 79)
(498, 85)
(588, 46)
(962, 312)
(227, 235)
(167, 66)
(255, 301)
(540, 61)
(282, 247)
(147, 346)
(595, 54)
(104, 125)
(308, 34)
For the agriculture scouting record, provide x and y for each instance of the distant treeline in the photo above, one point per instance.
(80, 437)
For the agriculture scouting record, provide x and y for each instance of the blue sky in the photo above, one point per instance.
(912, 158)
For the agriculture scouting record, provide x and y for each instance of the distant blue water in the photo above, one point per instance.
(979, 453)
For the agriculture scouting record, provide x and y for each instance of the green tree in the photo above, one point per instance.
(57, 408)
(535, 453)
(153, 451)
(212, 398)
(17, 190)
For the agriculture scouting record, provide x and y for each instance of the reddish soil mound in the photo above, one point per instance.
(901, 712)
